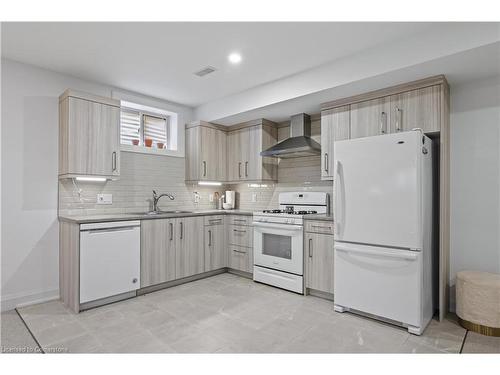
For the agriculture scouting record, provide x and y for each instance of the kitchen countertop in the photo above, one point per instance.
(82, 219)
(324, 217)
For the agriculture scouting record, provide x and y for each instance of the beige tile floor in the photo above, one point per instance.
(230, 314)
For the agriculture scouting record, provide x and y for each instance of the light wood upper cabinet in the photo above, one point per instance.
(370, 118)
(189, 251)
(319, 262)
(416, 109)
(335, 126)
(205, 153)
(89, 135)
(158, 243)
(215, 245)
(244, 162)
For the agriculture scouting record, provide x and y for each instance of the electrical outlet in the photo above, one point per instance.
(210, 197)
(104, 198)
(254, 197)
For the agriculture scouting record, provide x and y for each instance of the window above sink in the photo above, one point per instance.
(148, 130)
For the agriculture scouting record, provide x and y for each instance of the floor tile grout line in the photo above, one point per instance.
(463, 342)
(29, 330)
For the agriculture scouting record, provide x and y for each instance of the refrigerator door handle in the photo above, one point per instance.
(338, 198)
(379, 253)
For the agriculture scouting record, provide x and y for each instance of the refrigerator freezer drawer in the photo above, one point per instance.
(381, 281)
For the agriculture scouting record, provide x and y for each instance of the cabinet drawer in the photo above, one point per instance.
(319, 226)
(240, 235)
(240, 220)
(214, 220)
(240, 258)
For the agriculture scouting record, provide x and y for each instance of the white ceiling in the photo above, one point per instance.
(476, 64)
(158, 59)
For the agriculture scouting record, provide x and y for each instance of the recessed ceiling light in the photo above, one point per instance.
(234, 58)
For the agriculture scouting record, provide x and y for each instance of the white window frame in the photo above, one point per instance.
(172, 130)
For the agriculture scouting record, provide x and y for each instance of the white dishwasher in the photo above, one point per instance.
(110, 259)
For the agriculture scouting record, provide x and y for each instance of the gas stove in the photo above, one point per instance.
(290, 212)
(279, 239)
(293, 206)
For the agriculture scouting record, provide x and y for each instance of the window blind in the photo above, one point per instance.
(155, 128)
(130, 128)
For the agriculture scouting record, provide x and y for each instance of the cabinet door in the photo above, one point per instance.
(157, 251)
(233, 156)
(192, 153)
(246, 143)
(370, 118)
(189, 252)
(319, 263)
(417, 109)
(213, 154)
(334, 127)
(252, 161)
(215, 247)
(93, 138)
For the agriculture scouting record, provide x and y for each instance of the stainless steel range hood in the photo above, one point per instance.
(299, 144)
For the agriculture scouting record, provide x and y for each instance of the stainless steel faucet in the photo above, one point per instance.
(157, 197)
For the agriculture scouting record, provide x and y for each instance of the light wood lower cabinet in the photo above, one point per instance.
(319, 262)
(240, 258)
(189, 250)
(158, 247)
(215, 244)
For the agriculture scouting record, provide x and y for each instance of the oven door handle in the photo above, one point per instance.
(289, 227)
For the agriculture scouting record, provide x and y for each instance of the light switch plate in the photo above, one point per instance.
(104, 198)
(254, 197)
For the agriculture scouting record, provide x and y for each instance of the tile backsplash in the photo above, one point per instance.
(141, 173)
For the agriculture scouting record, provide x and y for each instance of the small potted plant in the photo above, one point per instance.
(148, 142)
(160, 145)
(135, 142)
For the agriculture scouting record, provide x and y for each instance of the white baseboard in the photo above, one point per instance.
(11, 301)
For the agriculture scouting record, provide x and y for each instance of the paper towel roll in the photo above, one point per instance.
(231, 197)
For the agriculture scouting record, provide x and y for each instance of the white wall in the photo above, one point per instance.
(29, 259)
(475, 177)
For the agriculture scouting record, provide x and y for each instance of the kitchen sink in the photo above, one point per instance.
(152, 213)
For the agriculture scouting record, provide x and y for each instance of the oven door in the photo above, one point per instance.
(279, 246)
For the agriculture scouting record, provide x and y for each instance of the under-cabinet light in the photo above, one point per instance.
(210, 183)
(91, 179)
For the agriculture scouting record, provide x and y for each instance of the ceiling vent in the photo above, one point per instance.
(205, 71)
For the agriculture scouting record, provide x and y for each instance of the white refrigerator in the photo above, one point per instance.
(383, 216)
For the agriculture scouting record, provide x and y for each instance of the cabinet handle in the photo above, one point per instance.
(399, 118)
(246, 169)
(209, 238)
(240, 220)
(239, 231)
(113, 161)
(204, 168)
(383, 122)
(215, 221)
(326, 162)
(182, 229)
(239, 169)
(310, 248)
(171, 231)
(239, 251)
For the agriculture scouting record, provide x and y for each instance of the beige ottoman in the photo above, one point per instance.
(478, 302)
